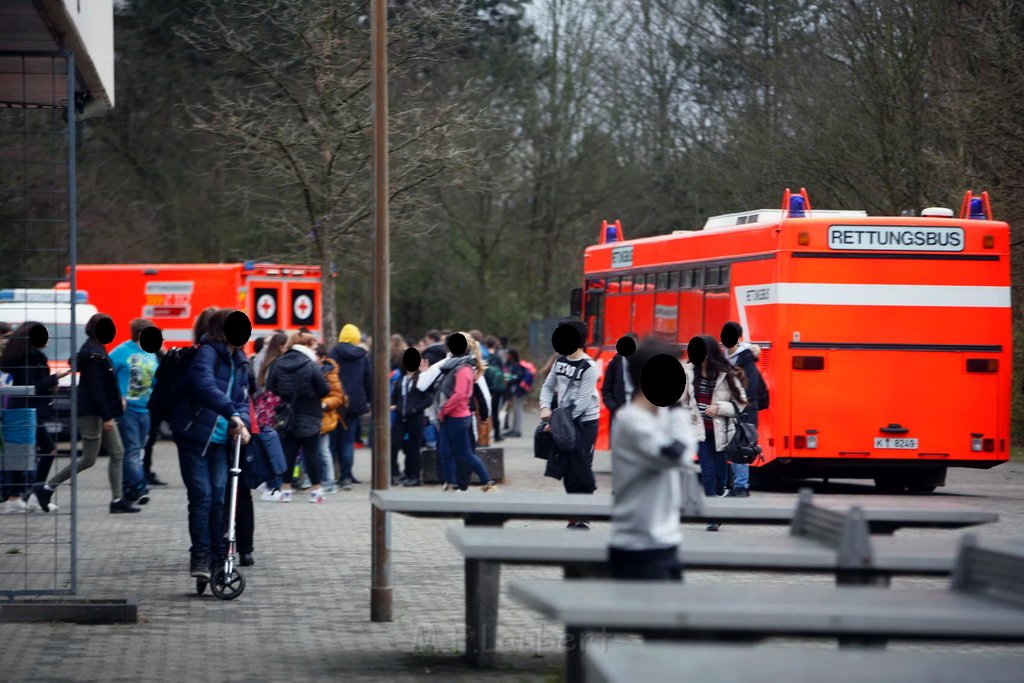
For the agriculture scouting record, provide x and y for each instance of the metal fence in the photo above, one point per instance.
(37, 251)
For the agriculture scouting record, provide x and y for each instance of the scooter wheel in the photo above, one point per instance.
(227, 586)
(201, 586)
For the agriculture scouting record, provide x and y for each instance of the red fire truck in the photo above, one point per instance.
(274, 296)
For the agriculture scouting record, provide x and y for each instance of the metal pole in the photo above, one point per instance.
(73, 264)
(380, 590)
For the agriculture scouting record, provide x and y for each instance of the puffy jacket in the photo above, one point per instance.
(205, 385)
(335, 399)
(98, 391)
(298, 380)
(32, 370)
(356, 376)
(721, 396)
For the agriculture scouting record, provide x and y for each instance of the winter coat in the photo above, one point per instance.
(98, 390)
(205, 387)
(747, 362)
(300, 382)
(33, 370)
(356, 376)
(613, 388)
(415, 402)
(335, 399)
(723, 397)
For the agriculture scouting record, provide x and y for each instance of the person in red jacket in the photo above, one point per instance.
(460, 372)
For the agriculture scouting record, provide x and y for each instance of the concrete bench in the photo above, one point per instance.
(672, 663)
(984, 603)
(820, 540)
(494, 509)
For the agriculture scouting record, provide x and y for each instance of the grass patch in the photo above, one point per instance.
(1017, 453)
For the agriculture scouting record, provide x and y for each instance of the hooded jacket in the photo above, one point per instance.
(334, 402)
(296, 377)
(33, 370)
(355, 374)
(745, 359)
(98, 392)
(205, 385)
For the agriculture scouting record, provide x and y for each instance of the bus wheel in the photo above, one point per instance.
(890, 484)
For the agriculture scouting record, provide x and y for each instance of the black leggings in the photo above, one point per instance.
(310, 446)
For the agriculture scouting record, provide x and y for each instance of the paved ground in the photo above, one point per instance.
(305, 612)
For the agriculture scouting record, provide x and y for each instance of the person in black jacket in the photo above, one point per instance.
(744, 356)
(99, 405)
(297, 379)
(408, 404)
(617, 388)
(356, 376)
(28, 366)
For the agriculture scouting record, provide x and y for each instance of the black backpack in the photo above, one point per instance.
(742, 448)
(169, 381)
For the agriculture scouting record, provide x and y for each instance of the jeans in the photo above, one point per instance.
(457, 456)
(206, 479)
(310, 446)
(345, 440)
(655, 564)
(713, 470)
(90, 427)
(326, 459)
(407, 435)
(134, 427)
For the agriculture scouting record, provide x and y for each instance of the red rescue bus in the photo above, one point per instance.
(274, 296)
(886, 341)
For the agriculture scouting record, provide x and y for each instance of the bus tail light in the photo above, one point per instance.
(808, 362)
(799, 441)
(976, 443)
(988, 445)
(982, 365)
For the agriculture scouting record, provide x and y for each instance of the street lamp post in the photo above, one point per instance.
(380, 589)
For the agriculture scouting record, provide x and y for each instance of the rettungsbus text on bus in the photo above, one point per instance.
(886, 341)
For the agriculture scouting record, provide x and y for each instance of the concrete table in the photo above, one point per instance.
(672, 663)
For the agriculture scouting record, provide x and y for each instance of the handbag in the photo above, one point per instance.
(543, 443)
(742, 448)
(264, 460)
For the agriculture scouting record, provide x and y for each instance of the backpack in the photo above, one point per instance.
(495, 378)
(529, 372)
(264, 460)
(169, 382)
(742, 448)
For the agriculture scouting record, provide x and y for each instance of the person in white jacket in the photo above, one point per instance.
(649, 447)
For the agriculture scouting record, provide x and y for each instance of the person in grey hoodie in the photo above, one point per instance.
(649, 445)
(573, 381)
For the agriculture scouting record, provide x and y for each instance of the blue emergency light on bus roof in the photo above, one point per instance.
(978, 210)
(796, 207)
(610, 234)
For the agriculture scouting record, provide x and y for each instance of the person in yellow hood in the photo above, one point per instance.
(355, 372)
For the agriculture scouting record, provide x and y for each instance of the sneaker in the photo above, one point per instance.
(347, 484)
(199, 567)
(33, 504)
(271, 496)
(412, 481)
(43, 495)
(121, 506)
(155, 480)
(713, 526)
(739, 493)
(580, 526)
(724, 493)
(143, 499)
(329, 489)
(16, 507)
(316, 496)
(396, 479)
(449, 487)
(489, 487)
(245, 559)
(285, 497)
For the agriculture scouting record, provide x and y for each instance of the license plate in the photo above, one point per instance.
(900, 444)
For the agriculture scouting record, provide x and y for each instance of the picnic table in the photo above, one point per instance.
(820, 540)
(494, 509)
(674, 662)
(984, 603)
